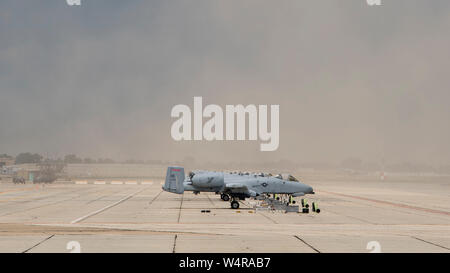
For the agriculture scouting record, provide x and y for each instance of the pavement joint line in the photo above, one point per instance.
(174, 243)
(105, 208)
(210, 200)
(181, 204)
(46, 239)
(154, 198)
(430, 243)
(313, 248)
(262, 213)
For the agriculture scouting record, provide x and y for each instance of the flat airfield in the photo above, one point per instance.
(398, 214)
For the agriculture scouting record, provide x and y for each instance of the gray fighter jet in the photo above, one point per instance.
(232, 186)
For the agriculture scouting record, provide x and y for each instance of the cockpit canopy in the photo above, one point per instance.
(287, 177)
(284, 176)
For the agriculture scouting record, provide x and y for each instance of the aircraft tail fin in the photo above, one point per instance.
(174, 180)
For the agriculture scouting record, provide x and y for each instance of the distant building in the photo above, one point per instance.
(6, 161)
(27, 171)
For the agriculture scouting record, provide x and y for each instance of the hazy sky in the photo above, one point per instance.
(351, 80)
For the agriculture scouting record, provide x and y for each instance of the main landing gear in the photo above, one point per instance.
(225, 197)
(234, 204)
(235, 197)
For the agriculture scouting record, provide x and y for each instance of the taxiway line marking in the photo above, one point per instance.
(99, 182)
(392, 203)
(46, 239)
(44, 205)
(303, 241)
(105, 208)
(16, 190)
(210, 200)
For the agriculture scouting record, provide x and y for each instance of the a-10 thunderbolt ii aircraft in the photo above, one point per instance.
(236, 186)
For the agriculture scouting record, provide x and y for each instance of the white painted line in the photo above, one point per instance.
(116, 182)
(81, 182)
(99, 182)
(105, 208)
(130, 183)
(146, 183)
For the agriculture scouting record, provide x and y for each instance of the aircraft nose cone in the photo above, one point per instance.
(309, 189)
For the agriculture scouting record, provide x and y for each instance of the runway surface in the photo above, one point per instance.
(395, 215)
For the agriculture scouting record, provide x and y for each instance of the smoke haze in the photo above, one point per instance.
(351, 80)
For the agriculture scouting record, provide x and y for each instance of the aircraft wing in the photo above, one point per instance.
(236, 186)
(239, 188)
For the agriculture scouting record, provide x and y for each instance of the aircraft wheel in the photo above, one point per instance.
(226, 197)
(234, 204)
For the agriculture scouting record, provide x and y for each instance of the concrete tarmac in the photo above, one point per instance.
(357, 215)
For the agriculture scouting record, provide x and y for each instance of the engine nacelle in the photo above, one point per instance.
(208, 180)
